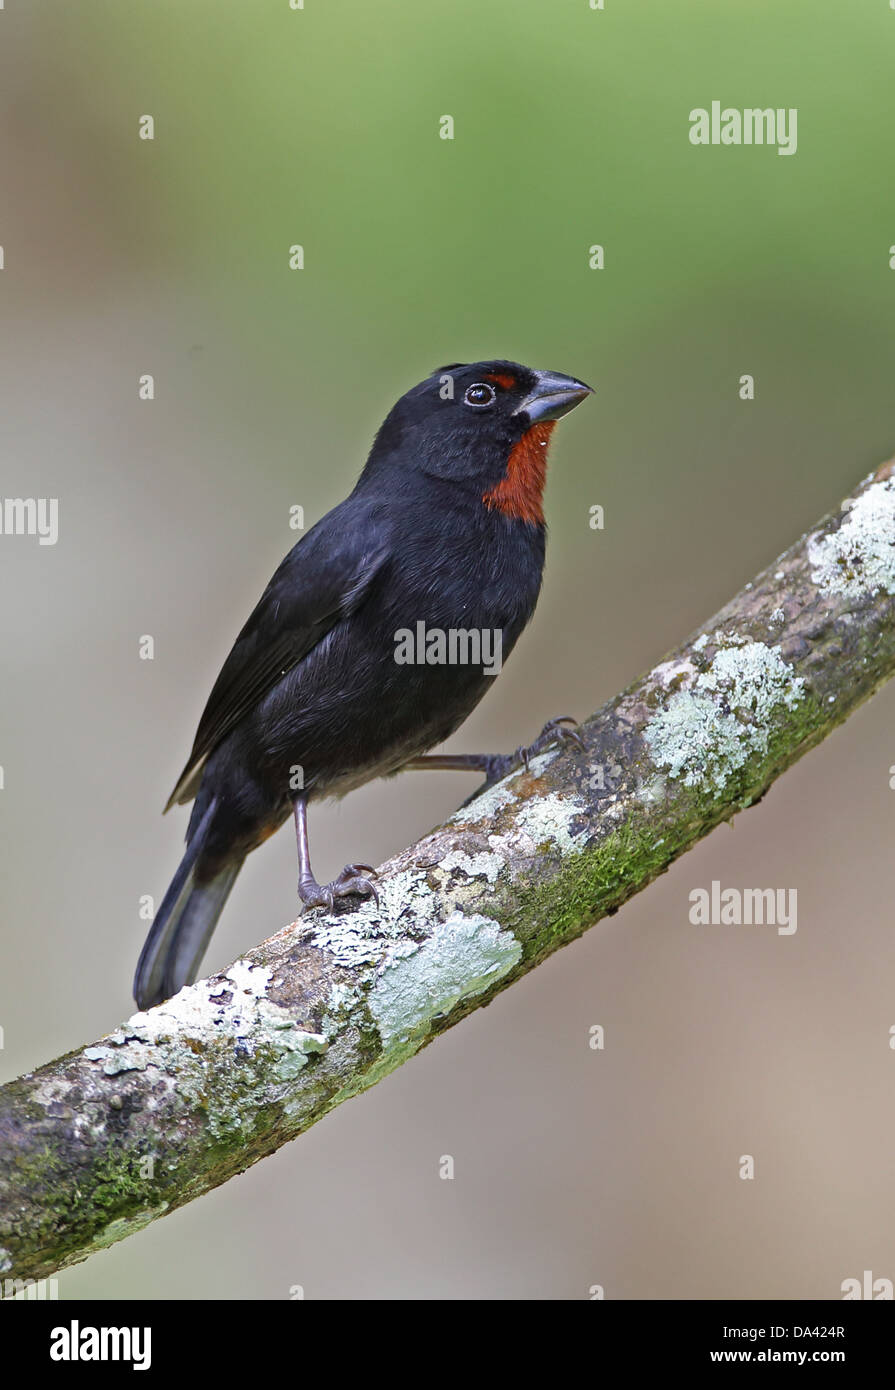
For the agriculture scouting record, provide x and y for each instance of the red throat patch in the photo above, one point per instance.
(520, 492)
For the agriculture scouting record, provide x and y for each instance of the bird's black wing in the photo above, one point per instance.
(325, 577)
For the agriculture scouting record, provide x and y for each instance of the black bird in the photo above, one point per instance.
(340, 674)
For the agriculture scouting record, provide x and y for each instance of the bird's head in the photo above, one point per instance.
(484, 426)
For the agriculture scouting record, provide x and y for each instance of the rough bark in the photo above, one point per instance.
(177, 1100)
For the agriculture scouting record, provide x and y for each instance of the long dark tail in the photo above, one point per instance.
(183, 925)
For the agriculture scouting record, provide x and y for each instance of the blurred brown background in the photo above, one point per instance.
(123, 257)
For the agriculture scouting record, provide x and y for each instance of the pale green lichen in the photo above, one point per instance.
(550, 820)
(677, 671)
(199, 1010)
(246, 978)
(421, 981)
(540, 761)
(488, 803)
(342, 997)
(361, 937)
(859, 559)
(487, 864)
(291, 1046)
(711, 730)
(495, 798)
(343, 1000)
(232, 1011)
(346, 941)
(651, 791)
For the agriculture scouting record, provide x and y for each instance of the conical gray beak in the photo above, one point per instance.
(554, 395)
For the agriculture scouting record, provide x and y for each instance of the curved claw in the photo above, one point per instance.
(566, 727)
(554, 731)
(350, 881)
(373, 893)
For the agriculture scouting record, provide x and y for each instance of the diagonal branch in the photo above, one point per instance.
(176, 1101)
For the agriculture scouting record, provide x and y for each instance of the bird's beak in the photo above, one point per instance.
(554, 395)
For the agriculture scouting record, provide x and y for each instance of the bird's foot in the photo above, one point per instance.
(354, 879)
(562, 730)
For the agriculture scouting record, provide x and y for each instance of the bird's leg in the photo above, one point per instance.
(497, 765)
(351, 880)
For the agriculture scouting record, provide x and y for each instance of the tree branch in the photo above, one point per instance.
(179, 1099)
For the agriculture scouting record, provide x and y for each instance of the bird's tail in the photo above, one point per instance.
(183, 925)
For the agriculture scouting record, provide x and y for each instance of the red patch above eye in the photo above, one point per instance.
(504, 379)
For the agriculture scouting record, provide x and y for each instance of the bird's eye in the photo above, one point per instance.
(480, 395)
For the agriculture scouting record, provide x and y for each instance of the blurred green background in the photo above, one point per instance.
(321, 127)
